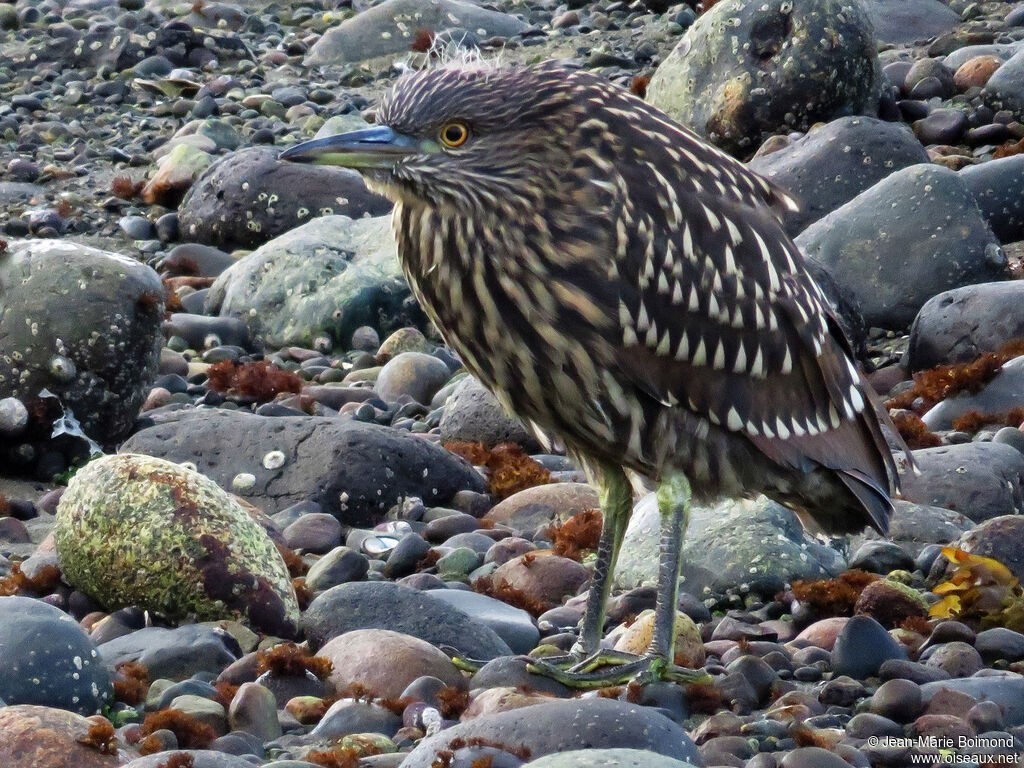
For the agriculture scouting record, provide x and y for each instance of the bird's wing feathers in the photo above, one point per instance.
(718, 314)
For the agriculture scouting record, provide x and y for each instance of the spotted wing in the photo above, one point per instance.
(718, 314)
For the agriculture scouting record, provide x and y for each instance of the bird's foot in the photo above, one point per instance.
(611, 668)
(461, 662)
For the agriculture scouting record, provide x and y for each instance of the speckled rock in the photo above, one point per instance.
(389, 28)
(385, 662)
(355, 471)
(323, 279)
(1003, 393)
(249, 197)
(999, 538)
(835, 162)
(757, 543)
(83, 324)
(914, 526)
(608, 758)
(1005, 89)
(744, 71)
(916, 233)
(136, 530)
(48, 660)
(998, 188)
(473, 414)
(958, 325)
(542, 505)
(564, 726)
(689, 647)
(45, 737)
(979, 480)
(908, 21)
(385, 605)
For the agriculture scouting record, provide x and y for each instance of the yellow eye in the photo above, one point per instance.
(454, 134)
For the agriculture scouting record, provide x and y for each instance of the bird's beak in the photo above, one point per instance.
(377, 147)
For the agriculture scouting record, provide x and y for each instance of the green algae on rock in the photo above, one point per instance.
(137, 530)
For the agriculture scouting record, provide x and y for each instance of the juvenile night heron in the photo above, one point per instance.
(626, 287)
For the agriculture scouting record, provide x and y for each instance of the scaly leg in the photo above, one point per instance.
(658, 664)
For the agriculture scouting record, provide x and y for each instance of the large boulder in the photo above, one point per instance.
(136, 530)
(914, 234)
(323, 279)
(745, 71)
(391, 27)
(607, 758)
(1005, 89)
(909, 21)
(249, 197)
(998, 188)
(758, 544)
(835, 162)
(997, 397)
(355, 471)
(958, 325)
(50, 737)
(83, 324)
(48, 660)
(562, 726)
(473, 414)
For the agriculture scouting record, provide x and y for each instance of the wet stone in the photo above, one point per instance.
(861, 648)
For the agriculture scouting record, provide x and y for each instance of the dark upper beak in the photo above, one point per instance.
(377, 147)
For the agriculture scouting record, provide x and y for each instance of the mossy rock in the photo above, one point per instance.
(137, 530)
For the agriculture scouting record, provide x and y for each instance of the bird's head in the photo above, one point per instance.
(464, 134)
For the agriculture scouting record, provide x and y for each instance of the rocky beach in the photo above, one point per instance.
(254, 512)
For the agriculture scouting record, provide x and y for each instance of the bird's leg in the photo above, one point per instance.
(673, 497)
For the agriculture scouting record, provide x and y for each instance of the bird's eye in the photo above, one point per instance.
(454, 134)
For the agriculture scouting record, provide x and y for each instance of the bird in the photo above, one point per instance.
(628, 290)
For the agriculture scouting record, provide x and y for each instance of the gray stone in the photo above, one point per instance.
(413, 374)
(1003, 393)
(1005, 89)
(914, 526)
(608, 758)
(758, 543)
(355, 471)
(323, 279)
(48, 660)
(175, 654)
(745, 71)
(909, 21)
(979, 480)
(1001, 538)
(473, 414)
(254, 710)
(513, 625)
(13, 417)
(384, 605)
(347, 716)
(1005, 689)
(862, 647)
(390, 28)
(201, 332)
(563, 726)
(998, 188)
(835, 162)
(339, 566)
(249, 197)
(542, 505)
(960, 56)
(958, 325)
(201, 758)
(894, 246)
(83, 324)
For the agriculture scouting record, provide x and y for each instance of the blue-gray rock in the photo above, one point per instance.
(175, 654)
(1000, 395)
(958, 325)
(322, 279)
(384, 605)
(195, 259)
(979, 480)
(960, 56)
(835, 162)
(563, 726)
(347, 716)
(48, 660)
(1001, 538)
(411, 374)
(473, 414)
(760, 544)
(745, 71)
(608, 758)
(355, 471)
(202, 332)
(390, 28)
(998, 188)
(1005, 689)
(1005, 89)
(914, 526)
(862, 647)
(83, 324)
(1000, 643)
(248, 197)
(912, 235)
(201, 758)
(513, 625)
(339, 566)
(909, 21)
(881, 557)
